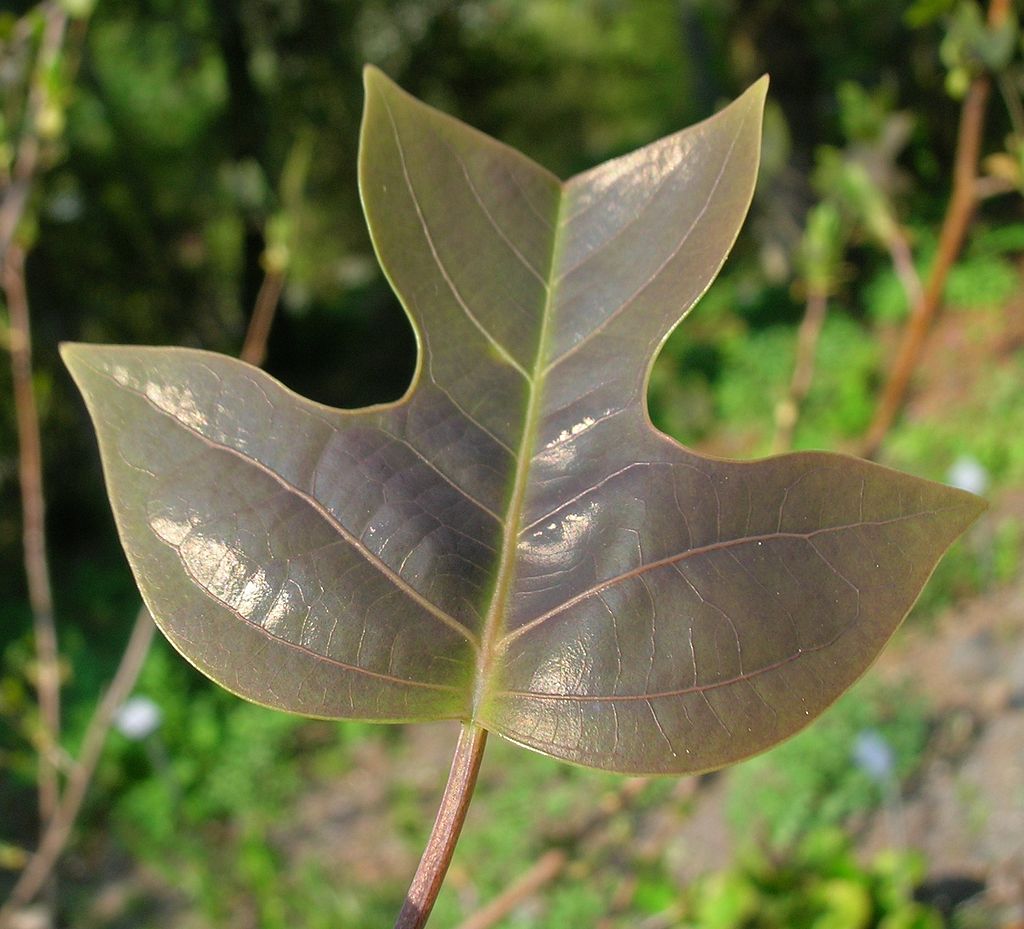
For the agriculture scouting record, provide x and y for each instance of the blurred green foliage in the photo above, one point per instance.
(812, 781)
(199, 798)
(822, 886)
(192, 145)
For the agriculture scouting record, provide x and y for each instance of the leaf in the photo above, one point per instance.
(513, 542)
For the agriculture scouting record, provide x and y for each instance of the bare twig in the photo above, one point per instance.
(41, 864)
(787, 411)
(58, 830)
(554, 861)
(13, 200)
(954, 228)
(33, 507)
(962, 202)
(15, 194)
(543, 871)
(254, 348)
(903, 264)
(30, 460)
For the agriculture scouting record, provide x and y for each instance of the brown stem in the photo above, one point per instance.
(543, 871)
(254, 348)
(40, 865)
(787, 412)
(33, 506)
(551, 864)
(58, 829)
(903, 265)
(954, 228)
(426, 883)
(962, 202)
(30, 460)
(15, 195)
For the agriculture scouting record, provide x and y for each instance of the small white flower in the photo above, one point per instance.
(874, 755)
(138, 718)
(969, 474)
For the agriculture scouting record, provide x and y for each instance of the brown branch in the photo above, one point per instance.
(33, 507)
(58, 830)
(13, 201)
(787, 411)
(554, 861)
(30, 459)
(549, 866)
(426, 883)
(962, 202)
(903, 264)
(15, 195)
(41, 864)
(254, 348)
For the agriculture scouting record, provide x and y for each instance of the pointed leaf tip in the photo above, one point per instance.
(68, 351)
(372, 75)
(512, 542)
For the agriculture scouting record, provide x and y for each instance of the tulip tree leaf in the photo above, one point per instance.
(513, 542)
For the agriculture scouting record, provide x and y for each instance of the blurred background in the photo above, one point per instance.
(162, 162)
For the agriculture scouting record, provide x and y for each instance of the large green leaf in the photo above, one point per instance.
(513, 542)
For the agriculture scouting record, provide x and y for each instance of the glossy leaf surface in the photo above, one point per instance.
(513, 542)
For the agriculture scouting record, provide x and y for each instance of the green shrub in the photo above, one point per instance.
(812, 781)
(821, 887)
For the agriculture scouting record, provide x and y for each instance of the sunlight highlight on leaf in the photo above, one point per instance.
(513, 543)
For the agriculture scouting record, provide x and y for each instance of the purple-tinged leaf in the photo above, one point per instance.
(513, 543)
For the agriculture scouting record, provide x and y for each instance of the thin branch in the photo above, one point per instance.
(33, 507)
(15, 195)
(554, 861)
(962, 202)
(787, 411)
(13, 200)
(41, 864)
(954, 228)
(987, 187)
(254, 348)
(903, 264)
(58, 830)
(546, 868)
(30, 460)
(426, 883)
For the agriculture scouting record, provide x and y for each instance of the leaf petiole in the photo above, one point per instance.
(426, 883)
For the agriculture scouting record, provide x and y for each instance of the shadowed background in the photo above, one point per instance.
(198, 146)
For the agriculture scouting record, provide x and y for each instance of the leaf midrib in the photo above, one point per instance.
(490, 637)
(492, 642)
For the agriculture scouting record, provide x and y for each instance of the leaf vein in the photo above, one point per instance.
(503, 352)
(399, 582)
(657, 272)
(705, 549)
